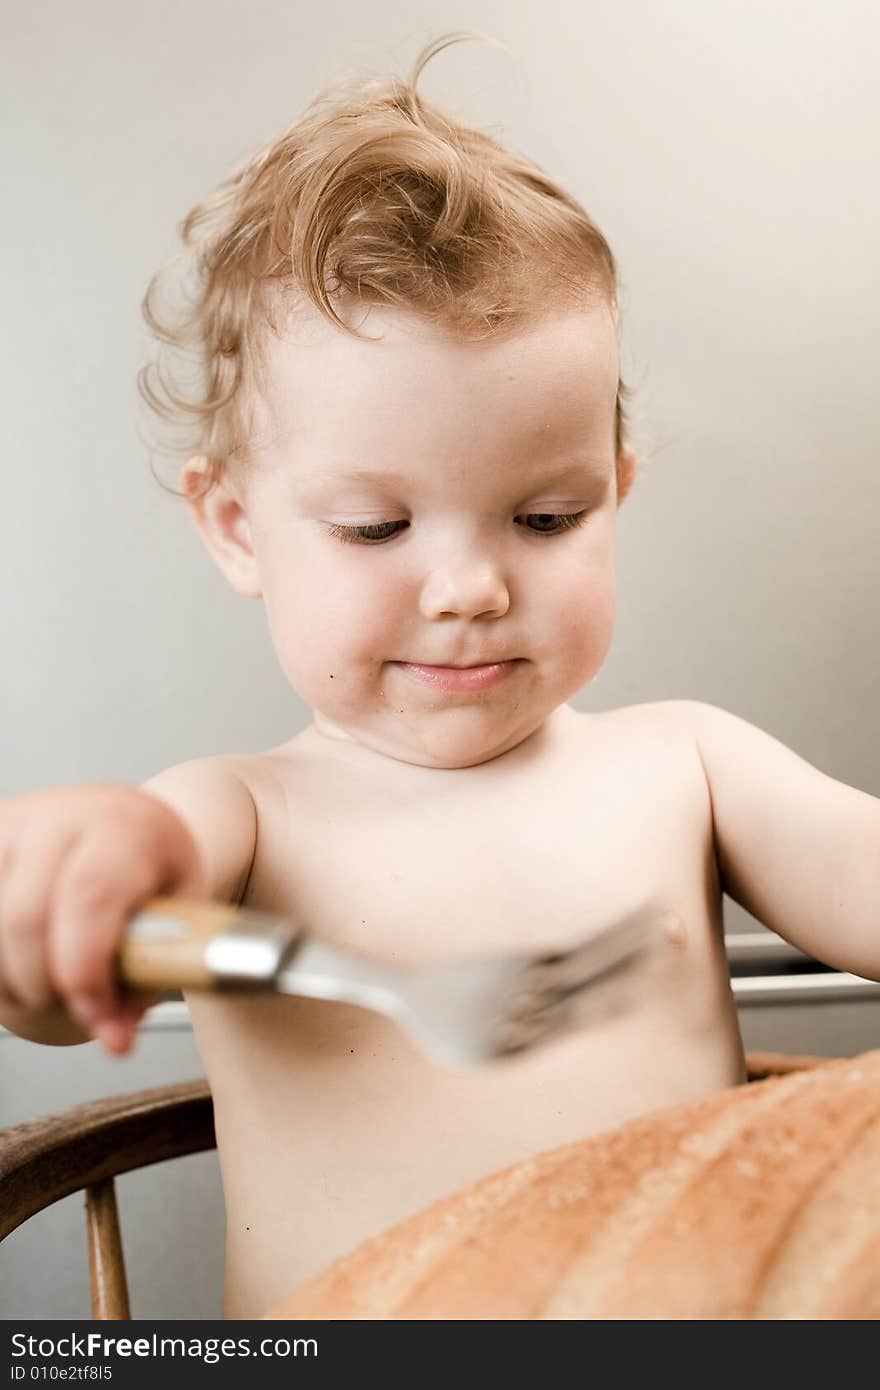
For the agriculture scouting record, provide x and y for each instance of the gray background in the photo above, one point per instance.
(729, 152)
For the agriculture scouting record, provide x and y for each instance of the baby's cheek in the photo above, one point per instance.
(330, 676)
(589, 621)
(304, 645)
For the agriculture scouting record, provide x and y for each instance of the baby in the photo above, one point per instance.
(412, 448)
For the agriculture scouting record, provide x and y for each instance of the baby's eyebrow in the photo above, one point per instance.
(573, 468)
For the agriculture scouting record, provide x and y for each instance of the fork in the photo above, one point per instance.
(469, 1010)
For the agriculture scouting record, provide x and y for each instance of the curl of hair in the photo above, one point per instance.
(374, 195)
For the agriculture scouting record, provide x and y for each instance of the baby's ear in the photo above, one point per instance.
(627, 467)
(219, 513)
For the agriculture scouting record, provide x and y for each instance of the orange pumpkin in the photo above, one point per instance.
(760, 1202)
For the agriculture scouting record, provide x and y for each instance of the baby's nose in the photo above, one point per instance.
(465, 589)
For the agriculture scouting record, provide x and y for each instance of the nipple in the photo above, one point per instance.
(675, 931)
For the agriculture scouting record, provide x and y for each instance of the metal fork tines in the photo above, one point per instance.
(559, 992)
(477, 1009)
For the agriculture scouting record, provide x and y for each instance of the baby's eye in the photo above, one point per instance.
(551, 523)
(367, 534)
(540, 524)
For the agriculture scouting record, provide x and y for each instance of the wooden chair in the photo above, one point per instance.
(86, 1147)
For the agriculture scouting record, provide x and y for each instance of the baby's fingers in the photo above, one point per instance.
(98, 891)
(117, 1032)
(27, 871)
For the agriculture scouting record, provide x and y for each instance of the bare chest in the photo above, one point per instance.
(518, 857)
(330, 1125)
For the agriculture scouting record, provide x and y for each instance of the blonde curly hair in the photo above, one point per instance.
(375, 195)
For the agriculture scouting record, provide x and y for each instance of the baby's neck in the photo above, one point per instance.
(324, 736)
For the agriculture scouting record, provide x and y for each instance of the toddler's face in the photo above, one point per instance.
(418, 501)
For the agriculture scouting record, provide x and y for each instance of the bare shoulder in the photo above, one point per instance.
(219, 780)
(239, 807)
(656, 719)
(693, 726)
(720, 744)
(213, 797)
(730, 747)
(648, 755)
(696, 719)
(651, 753)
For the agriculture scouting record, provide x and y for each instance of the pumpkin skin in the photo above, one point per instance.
(760, 1202)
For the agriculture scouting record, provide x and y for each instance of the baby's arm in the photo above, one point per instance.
(797, 849)
(211, 797)
(77, 862)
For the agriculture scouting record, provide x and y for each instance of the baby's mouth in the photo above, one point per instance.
(459, 678)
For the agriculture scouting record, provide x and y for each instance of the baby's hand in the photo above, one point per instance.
(75, 864)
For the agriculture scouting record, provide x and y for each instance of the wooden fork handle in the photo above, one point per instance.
(176, 943)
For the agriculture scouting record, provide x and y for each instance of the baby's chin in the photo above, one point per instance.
(453, 756)
(447, 740)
